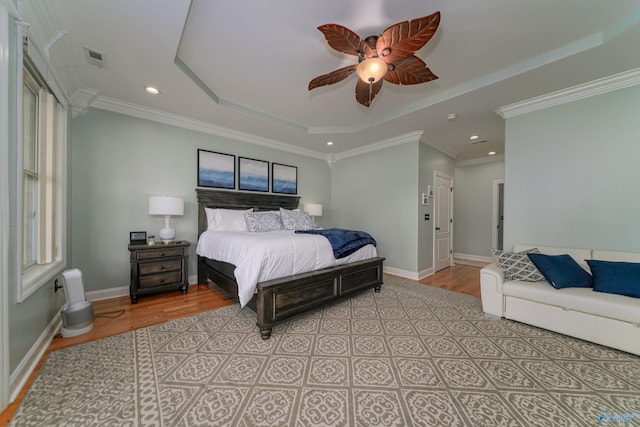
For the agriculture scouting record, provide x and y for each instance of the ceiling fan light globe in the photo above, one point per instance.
(371, 70)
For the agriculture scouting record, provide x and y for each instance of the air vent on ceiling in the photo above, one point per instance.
(478, 141)
(95, 57)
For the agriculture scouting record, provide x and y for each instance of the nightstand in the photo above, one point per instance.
(158, 268)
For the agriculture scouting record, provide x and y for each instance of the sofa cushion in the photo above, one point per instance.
(517, 265)
(561, 271)
(616, 277)
(612, 306)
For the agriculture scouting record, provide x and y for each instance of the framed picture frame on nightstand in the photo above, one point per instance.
(138, 238)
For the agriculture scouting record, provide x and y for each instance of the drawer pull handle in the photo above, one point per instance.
(161, 280)
(161, 253)
(162, 268)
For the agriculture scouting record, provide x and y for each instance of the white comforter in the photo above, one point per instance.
(270, 255)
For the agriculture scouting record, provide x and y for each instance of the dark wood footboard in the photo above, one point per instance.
(280, 299)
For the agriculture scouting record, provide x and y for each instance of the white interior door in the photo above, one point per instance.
(443, 221)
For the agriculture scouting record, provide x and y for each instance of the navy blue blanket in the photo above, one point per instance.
(343, 242)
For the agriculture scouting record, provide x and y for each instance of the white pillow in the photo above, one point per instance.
(295, 220)
(226, 219)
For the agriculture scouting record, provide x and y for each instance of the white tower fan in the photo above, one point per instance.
(77, 313)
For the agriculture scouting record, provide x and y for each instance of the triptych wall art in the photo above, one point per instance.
(219, 170)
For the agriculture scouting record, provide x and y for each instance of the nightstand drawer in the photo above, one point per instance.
(159, 267)
(160, 253)
(160, 279)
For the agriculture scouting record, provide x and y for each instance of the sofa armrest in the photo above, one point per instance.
(491, 281)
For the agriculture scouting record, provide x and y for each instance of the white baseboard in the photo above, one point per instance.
(408, 274)
(109, 293)
(425, 273)
(470, 257)
(121, 291)
(30, 361)
(402, 273)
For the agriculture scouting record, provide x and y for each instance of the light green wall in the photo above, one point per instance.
(571, 174)
(431, 160)
(377, 192)
(118, 161)
(473, 200)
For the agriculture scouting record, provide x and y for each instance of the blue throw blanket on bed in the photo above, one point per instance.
(343, 242)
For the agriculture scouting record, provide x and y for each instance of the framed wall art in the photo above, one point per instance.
(216, 169)
(284, 179)
(253, 174)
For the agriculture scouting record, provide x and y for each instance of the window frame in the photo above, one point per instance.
(34, 276)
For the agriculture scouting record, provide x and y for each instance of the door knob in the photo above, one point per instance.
(438, 228)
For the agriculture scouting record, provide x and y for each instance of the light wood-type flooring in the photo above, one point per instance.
(118, 315)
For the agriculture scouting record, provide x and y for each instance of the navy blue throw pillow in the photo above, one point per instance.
(613, 277)
(561, 271)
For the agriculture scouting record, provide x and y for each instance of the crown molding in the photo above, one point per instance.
(139, 111)
(391, 142)
(117, 106)
(574, 93)
(481, 160)
(440, 149)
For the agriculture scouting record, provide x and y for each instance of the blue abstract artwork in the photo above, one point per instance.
(284, 179)
(216, 169)
(253, 174)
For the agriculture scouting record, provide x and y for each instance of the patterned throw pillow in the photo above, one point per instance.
(517, 265)
(295, 220)
(263, 221)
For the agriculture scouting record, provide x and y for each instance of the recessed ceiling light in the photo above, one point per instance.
(492, 153)
(472, 137)
(152, 90)
(329, 142)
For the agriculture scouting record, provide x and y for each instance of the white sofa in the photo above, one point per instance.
(608, 319)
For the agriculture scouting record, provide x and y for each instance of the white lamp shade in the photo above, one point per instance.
(313, 209)
(165, 205)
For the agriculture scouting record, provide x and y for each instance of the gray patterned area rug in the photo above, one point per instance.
(411, 355)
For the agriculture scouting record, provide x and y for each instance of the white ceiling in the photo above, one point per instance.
(245, 65)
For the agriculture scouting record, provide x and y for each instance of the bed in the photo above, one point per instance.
(278, 299)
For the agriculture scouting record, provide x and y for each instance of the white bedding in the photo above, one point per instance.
(271, 255)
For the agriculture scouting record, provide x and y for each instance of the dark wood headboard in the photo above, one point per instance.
(239, 200)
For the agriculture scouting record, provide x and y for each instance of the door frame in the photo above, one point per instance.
(4, 209)
(433, 227)
(494, 213)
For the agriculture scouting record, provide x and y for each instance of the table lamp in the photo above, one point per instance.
(314, 210)
(167, 207)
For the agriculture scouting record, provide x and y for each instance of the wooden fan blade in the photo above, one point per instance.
(405, 38)
(409, 71)
(332, 77)
(365, 92)
(341, 38)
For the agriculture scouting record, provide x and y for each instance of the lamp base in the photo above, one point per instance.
(167, 234)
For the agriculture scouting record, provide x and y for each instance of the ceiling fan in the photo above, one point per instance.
(389, 56)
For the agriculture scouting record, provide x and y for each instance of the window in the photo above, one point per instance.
(30, 91)
(42, 184)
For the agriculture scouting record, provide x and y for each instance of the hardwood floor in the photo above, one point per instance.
(459, 278)
(118, 315)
